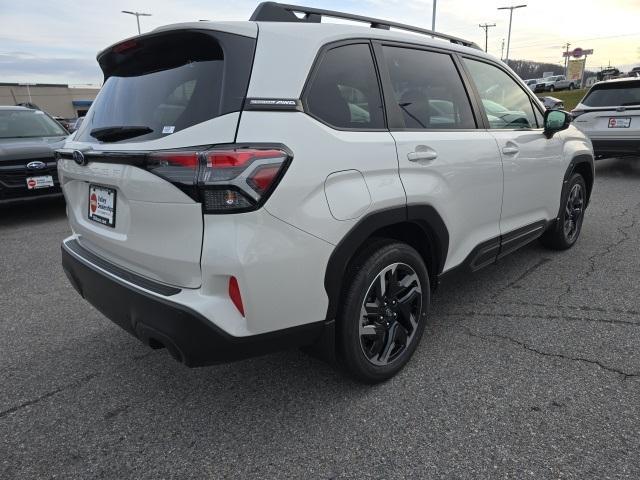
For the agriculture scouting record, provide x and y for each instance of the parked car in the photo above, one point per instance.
(609, 114)
(552, 103)
(540, 86)
(28, 139)
(231, 210)
(531, 83)
(558, 82)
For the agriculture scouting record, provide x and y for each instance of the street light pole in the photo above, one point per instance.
(138, 15)
(511, 9)
(486, 27)
(433, 16)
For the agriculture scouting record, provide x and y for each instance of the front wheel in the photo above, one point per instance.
(551, 88)
(566, 230)
(383, 314)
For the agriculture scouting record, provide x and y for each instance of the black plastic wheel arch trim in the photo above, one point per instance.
(159, 322)
(424, 216)
(571, 169)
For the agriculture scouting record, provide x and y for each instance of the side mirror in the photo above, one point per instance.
(555, 121)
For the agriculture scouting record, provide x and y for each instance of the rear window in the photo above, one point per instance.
(613, 95)
(159, 85)
(28, 124)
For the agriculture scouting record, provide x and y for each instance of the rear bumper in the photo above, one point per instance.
(615, 148)
(159, 322)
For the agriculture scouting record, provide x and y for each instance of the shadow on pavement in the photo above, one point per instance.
(618, 167)
(16, 214)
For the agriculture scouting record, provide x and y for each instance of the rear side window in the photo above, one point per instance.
(506, 104)
(613, 94)
(428, 89)
(169, 82)
(344, 90)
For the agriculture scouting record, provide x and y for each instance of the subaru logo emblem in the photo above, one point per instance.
(78, 157)
(37, 165)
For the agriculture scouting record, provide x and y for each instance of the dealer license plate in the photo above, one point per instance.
(102, 205)
(44, 181)
(619, 122)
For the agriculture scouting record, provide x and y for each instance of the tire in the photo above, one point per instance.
(564, 233)
(379, 329)
(571, 86)
(551, 88)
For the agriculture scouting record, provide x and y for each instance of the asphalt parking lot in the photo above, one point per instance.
(529, 369)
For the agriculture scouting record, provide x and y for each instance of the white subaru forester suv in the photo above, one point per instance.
(242, 187)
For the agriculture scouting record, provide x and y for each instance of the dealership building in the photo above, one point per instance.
(59, 100)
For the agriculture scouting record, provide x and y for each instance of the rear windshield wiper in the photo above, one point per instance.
(114, 134)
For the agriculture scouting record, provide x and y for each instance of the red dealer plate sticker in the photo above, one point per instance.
(619, 122)
(45, 181)
(102, 205)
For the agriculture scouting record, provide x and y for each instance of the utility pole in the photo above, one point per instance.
(486, 27)
(511, 9)
(433, 16)
(502, 53)
(566, 60)
(138, 15)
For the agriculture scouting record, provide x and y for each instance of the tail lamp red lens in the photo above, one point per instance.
(234, 294)
(224, 180)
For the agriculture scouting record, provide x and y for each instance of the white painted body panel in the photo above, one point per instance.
(464, 184)
(158, 232)
(534, 169)
(319, 151)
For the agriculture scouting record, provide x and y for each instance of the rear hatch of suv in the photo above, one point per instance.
(610, 110)
(129, 175)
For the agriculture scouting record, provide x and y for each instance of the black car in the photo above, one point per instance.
(28, 139)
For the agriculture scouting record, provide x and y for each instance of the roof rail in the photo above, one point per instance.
(281, 12)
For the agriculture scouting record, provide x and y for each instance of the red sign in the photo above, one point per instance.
(93, 203)
(31, 183)
(577, 53)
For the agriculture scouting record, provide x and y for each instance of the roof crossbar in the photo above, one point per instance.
(281, 12)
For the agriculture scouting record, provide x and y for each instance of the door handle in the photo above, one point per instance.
(510, 150)
(422, 152)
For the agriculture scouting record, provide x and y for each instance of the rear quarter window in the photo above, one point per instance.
(343, 90)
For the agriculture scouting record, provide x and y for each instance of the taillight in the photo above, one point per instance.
(226, 180)
(240, 179)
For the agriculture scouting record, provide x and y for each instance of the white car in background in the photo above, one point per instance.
(609, 114)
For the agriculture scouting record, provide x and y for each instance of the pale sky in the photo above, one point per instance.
(56, 41)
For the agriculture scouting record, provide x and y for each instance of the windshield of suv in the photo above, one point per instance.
(613, 94)
(28, 124)
(164, 83)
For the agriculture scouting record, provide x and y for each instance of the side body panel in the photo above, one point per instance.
(463, 184)
(318, 152)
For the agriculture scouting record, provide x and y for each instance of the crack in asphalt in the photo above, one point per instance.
(608, 249)
(568, 307)
(537, 351)
(522, 276)
(28, 403)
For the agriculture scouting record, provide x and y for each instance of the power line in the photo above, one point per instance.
(542, 44)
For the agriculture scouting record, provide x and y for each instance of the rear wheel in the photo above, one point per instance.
(551, 88)
(383, 314)
(566, 230)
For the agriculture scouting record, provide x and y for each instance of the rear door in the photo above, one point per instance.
(533, 164)
(445, 160)
(130, 174)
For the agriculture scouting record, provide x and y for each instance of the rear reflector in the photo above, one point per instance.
(234, 294)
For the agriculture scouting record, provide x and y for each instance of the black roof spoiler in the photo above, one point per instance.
(281, 12)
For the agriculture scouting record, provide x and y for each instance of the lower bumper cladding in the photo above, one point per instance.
(160, 322)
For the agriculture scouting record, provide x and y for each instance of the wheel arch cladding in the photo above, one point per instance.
(584, 165)
(420, 226)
